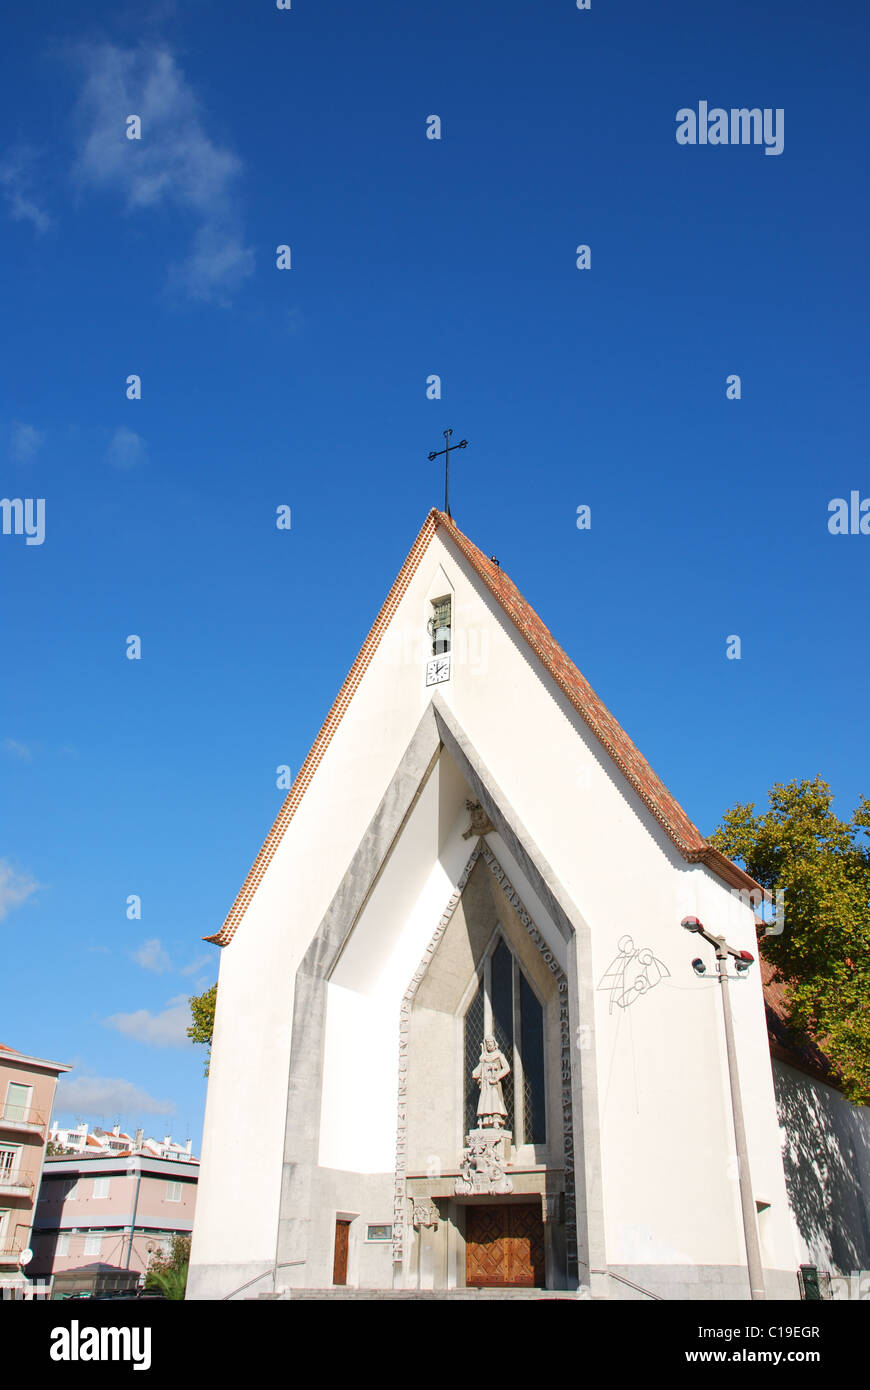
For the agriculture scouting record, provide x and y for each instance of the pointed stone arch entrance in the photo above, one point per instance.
(423, 1199)
(473, 1222)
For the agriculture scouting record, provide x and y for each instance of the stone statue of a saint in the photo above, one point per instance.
(489, 1074)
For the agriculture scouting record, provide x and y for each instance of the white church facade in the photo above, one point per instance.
(456, 1005)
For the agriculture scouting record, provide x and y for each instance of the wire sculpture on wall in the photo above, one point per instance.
(632, 973)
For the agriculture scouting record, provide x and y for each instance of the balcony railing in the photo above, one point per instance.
(9, 1251)
(22, 1117)
(12, 1182)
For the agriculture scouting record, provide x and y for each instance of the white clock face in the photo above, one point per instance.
(437, 670)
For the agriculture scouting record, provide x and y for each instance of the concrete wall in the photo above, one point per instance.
(826, 1153)
(364, 1200)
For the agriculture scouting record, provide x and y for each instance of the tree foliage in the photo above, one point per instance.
(823, 954)
(202, 1007)
(169, 1272)
(55, 1150)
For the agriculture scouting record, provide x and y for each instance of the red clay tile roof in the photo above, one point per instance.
(667, 811)
(805, 1056)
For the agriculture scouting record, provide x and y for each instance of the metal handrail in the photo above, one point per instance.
(658, 1298)
(271, 1270)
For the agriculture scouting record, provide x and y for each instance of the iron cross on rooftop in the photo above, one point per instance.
(463, 443)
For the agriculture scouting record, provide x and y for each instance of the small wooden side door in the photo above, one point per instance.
(339, 1263)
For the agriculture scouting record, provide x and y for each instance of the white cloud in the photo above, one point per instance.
(167, 1029)
(176, 164)
(126, 449)
(151, 956)
(195, 965)
(15, 887)
(93, 1096)
(16, 183)
(18, 750)
(24, 442)
(218, 261)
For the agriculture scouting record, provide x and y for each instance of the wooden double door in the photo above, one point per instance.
(504, 1246)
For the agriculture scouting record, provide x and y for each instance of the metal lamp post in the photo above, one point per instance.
(743, 960)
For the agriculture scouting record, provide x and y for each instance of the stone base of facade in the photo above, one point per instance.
(669, 1283)
(690, 1283)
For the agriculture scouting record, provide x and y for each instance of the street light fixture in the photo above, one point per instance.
(742, 962)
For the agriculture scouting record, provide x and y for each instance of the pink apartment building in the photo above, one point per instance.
(110, 1210)
(27, 1086)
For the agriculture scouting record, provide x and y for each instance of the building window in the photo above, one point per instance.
(506, 1006)
(101, 1187)
(93, 1244)
(439, 626)
(62, 1247)
(9, 1158)
(379, 1233)
(18, 1098)
(173, 1192)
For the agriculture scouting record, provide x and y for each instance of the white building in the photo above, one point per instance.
(115, 1141)
(472, 847)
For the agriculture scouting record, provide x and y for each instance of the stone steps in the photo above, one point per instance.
(441, 1295)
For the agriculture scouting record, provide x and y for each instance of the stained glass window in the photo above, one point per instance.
(473, 1043)
(510, 997)
(503, 1020)
(532, 1053)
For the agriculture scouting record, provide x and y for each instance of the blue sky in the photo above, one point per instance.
(307, 387)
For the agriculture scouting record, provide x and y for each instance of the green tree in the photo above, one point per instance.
(822, 864)
(202, 1008)
(169, 1272)
(53, 1150)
